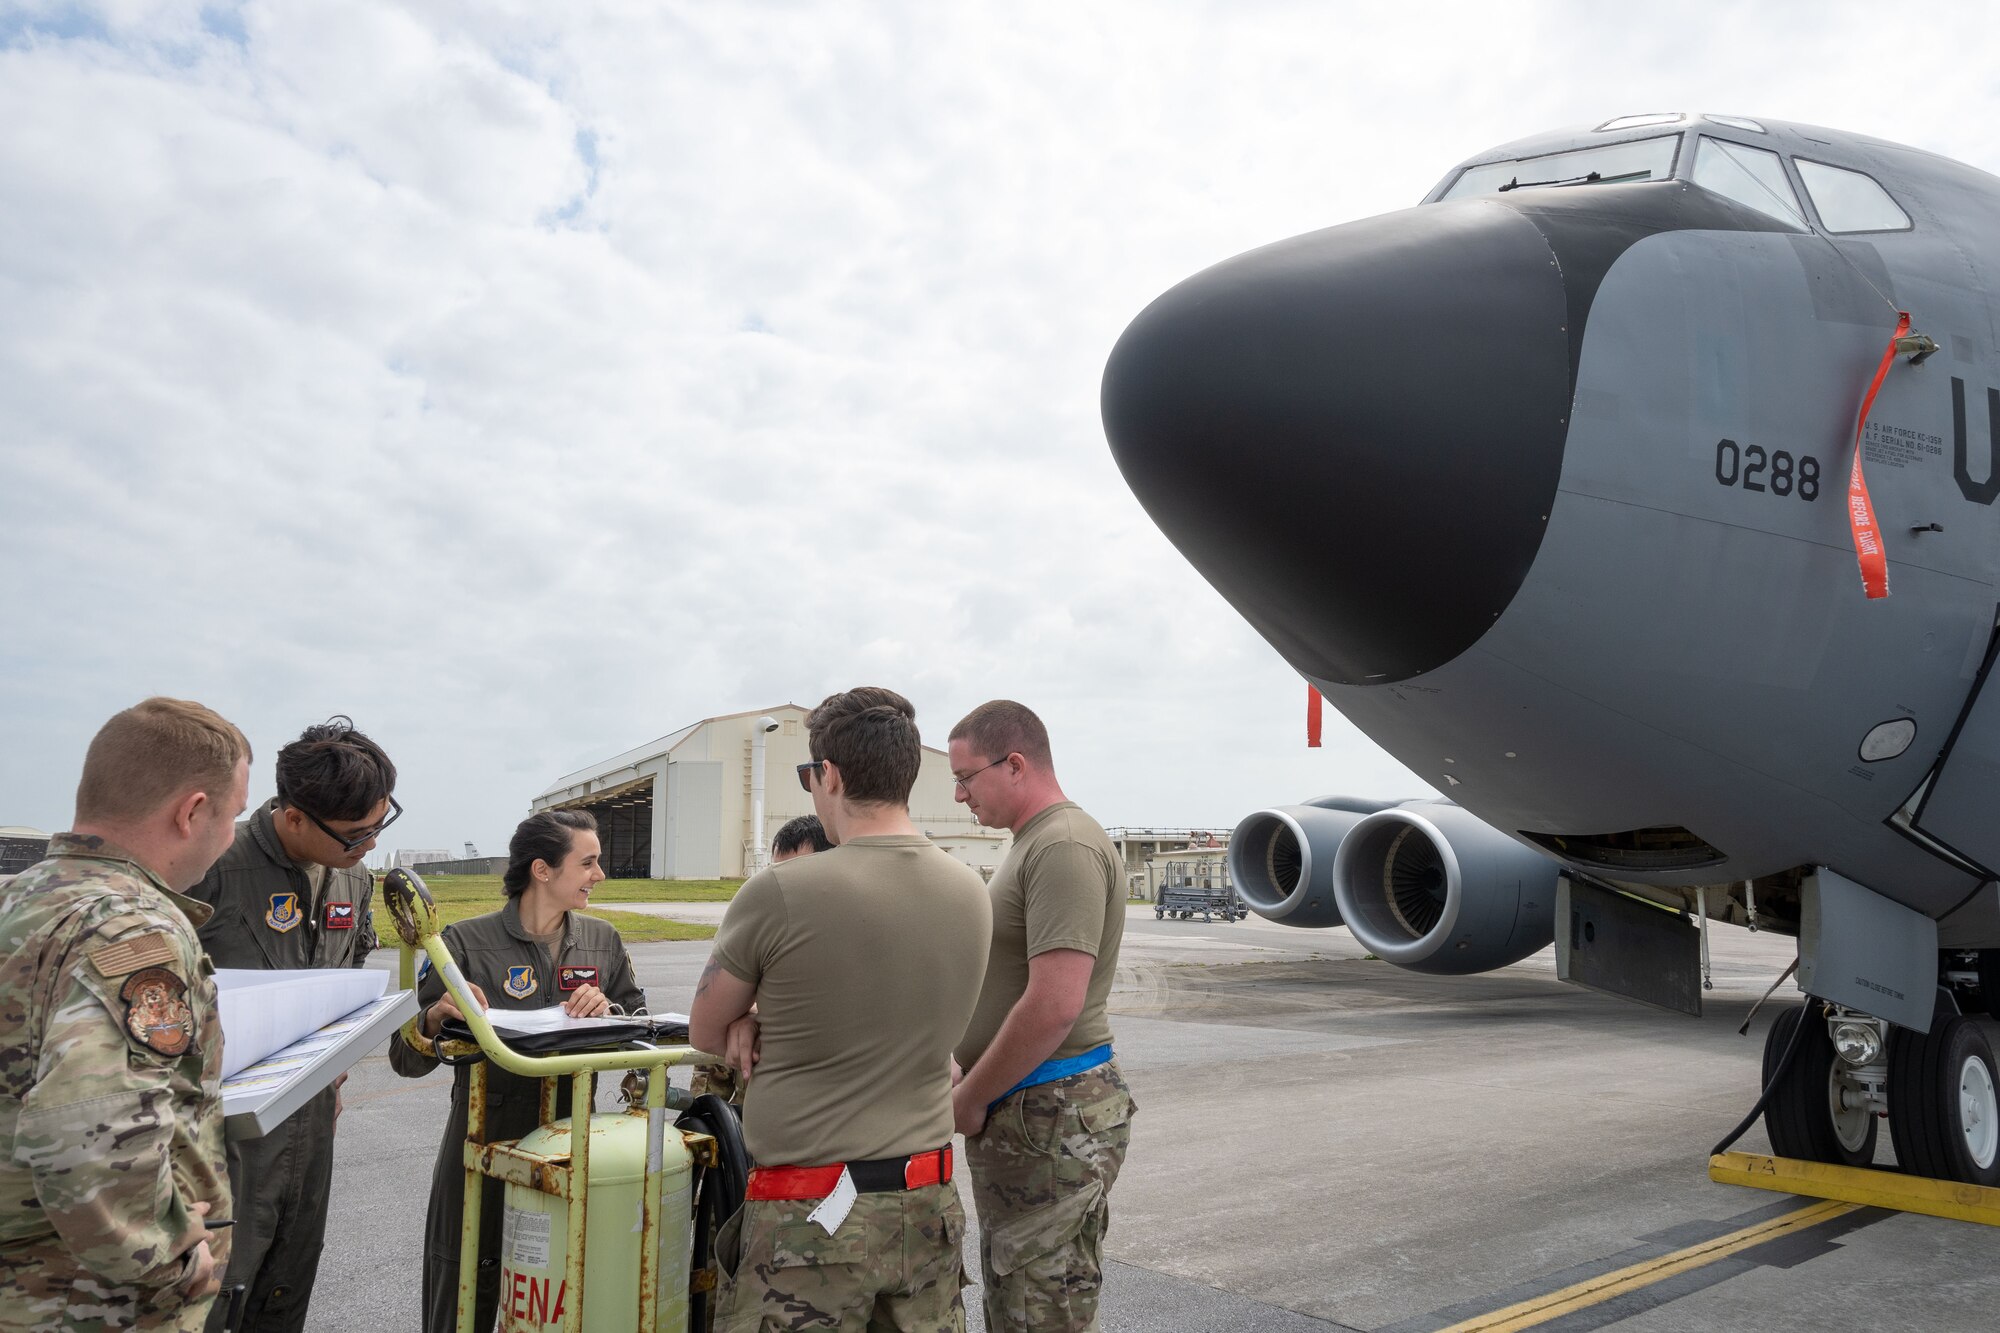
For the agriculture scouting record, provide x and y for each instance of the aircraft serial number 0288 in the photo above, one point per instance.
(1525, 481)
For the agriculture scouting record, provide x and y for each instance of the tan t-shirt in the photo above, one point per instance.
(1059, 888)
(867, 961)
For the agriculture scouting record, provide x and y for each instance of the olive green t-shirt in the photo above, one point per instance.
(1061, 887)
(867, 961)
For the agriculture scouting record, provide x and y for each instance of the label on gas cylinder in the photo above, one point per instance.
(525, 1237)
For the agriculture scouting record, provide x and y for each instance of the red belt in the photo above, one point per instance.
(880, 1176)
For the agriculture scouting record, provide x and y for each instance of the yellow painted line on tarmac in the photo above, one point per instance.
(1607, 1286)
(1859, 1185)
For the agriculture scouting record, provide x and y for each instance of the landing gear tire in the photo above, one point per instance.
(1944, 1101)
(1806, 1117)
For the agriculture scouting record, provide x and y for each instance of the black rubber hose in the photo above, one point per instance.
(718, 1191)
(1777, 1077)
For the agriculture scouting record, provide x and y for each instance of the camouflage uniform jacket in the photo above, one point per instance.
(265, 916)
(110, 1102)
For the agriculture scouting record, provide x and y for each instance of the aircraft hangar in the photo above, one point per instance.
(681, 806)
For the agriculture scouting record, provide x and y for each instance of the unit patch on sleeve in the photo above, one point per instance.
(520, 981)
(156, 1011)
(284, 914)
(575, 978)
(340, 916)
(131, 953)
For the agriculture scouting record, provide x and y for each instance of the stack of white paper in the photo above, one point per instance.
(266, 1011)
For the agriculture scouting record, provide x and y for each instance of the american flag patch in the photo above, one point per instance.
(128, 955)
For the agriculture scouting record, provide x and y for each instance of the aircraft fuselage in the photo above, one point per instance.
(1546, 489)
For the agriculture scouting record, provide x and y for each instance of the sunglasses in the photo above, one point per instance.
(808, 770)
(349, 841)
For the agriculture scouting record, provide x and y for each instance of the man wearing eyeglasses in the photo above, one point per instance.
(292, 892)
(1045, 1113)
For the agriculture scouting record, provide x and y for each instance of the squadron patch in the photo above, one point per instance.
(340, 916)
(156, 1011)
(520, 981)
(284, 914)
(131, 953)
(575, 978)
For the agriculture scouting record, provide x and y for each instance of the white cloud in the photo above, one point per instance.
(528, 382)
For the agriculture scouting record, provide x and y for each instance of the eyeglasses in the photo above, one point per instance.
(807, 770)
(961, 782)
(349, 841)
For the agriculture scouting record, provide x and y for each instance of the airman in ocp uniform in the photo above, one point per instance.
(1046, 1114)
(864, 964)
(111, 1142)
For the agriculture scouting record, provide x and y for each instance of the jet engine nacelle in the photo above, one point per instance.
(1427, 886)
(1281, 859)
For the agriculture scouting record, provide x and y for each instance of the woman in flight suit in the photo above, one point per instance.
(538, 950)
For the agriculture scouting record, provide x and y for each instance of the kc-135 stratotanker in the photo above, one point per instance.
(1548, 484)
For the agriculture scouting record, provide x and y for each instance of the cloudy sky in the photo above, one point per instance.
(528, 380)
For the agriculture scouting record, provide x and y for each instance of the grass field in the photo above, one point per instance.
(462, 896)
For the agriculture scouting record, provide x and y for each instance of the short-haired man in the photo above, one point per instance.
(1045, 1113)
(291, 892)
(864, 964)
(111, 1146)
(800, 837)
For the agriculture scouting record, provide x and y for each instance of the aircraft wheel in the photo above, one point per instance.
(1944, 1101)
(1806, 1117)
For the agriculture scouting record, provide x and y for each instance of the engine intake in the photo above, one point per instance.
(1429, 887)
(1281, 859)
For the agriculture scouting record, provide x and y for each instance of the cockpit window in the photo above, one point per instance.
(1736, 123)
(1752, 177)
(1638, 122)
(1849, 201)
(1640, 160)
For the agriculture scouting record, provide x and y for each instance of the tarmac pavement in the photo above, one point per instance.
(1324, 1141)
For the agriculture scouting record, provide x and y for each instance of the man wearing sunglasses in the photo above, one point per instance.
(292, 892)
(863, 962)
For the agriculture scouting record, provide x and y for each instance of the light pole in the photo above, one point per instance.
(759, 850)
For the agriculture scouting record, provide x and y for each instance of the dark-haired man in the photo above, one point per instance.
(800, 837)
(292, 892)
(1045, 1113)
(864, 964)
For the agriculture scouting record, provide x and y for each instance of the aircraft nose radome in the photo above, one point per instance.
(1355, 434)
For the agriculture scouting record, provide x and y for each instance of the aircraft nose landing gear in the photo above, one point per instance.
(1944, 1111)
(1939, 1089)
(1824, 1105)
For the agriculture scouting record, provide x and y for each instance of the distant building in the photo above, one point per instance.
(408, 858)
(1139, 847)
(981, 848)
(680, 807)
(465, 865)
(21, 847)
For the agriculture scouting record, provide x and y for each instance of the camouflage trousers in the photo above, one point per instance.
(895, 1263)
(1042, 1172)
(42, 1290)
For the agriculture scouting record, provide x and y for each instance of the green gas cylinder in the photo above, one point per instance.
(534, 1232)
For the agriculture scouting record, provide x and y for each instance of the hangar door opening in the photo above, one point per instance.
(624, 828)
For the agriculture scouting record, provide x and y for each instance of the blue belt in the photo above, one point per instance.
(1048, 1071)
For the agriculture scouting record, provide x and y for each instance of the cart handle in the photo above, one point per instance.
(415, 913)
